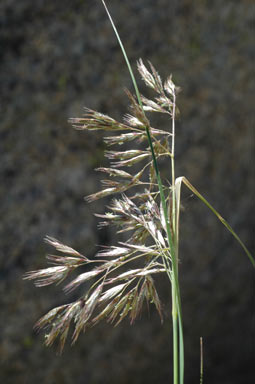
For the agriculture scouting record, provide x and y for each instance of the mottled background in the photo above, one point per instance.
(55, 58)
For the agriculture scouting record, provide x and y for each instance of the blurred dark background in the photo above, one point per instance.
(58, 56)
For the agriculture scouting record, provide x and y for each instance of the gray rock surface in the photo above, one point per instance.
(57, 57)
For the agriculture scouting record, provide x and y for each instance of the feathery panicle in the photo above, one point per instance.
(122, 279)
(117, 287)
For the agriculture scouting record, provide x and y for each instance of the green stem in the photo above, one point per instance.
(176, 298)
(175, 317)
(124, 54)
(175, 337)
(181, 350)
(173, 168)
(175, 224)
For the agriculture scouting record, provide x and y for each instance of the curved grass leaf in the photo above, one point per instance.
(183, 179)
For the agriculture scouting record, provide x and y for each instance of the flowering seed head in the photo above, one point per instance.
(114, 293)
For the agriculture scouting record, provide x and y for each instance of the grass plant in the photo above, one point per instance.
(148, 210)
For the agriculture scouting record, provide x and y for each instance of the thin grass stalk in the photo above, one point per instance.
(201, 361)
(175, 313)
(181, 349)
(172, 166)
(175, 222)
(175, 321)
(124, 54)
(176, 301)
